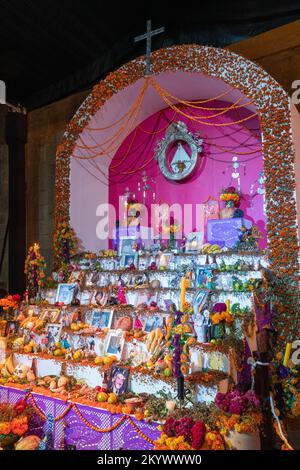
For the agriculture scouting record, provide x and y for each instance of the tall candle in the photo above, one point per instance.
(227, 305)
(182, 293)
(287, 353)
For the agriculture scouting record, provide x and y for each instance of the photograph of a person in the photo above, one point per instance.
(11, 328)
(118, 380)
(115, 343)
(53, 334)
(128, 260)
(65, 293)
(101, 319)
(153, 322)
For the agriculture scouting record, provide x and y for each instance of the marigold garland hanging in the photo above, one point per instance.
(65, 243)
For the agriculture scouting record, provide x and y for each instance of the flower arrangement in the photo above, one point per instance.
(221, 314)
(10, 302)
(35, 267)
(230, 196)
(65, 243)
(240, 412)
(14, 421)
(187, 434)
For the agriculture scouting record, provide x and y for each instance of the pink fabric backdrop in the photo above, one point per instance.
(135, 155)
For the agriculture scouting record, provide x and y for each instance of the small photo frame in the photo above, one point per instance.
(200, 298)
(53, 331)
(118, 380)
(101, 318)
(143, 263)
(163, 260)
(127, 245)
(65, 293)
(49, 295)
(145, 298)
(114, 343)
(53, 315)
(128, 259)
(194, 242)
(152, 322)
(11, 329)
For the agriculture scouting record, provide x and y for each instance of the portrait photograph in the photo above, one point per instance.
(11, 328)
(65, 293)
(118, 380)
(128, 260)
(53, 331)
(101, 318)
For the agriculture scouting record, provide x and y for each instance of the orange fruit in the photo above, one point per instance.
(112, 398)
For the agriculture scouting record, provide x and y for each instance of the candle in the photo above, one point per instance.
(182, 293)
(227, 305)
(287, 353)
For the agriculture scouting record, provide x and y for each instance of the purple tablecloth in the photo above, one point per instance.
(77, 433)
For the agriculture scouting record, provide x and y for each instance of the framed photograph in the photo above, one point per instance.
(118, 380)
(49, 295)
(115, 343)
(152, 322)
(11, 329)
(53, 331)
(65, 293)
(101, 318)
(194, 242)
(145, 298)
(128, 259)
(127, 245)
(163, 260)
(143, 263)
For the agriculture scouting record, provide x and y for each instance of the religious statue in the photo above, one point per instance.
(202, 324)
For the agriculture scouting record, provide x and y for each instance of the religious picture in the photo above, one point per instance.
(65, 293)
(163, 261)
(194, 242)
(127, 246)
(118, 380)
(101, 319)
(11, 328)
(53, 334)
(115, 343)
(153, 322)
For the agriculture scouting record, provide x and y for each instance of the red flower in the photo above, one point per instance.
(198, 434)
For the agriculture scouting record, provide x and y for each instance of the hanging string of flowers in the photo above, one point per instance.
(35, 267)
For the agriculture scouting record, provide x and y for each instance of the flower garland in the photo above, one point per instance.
(187, 434)
(34, 269)
(65, 243)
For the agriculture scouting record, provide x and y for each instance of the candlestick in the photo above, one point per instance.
(287, 353)
(180, 387)
(182, 293)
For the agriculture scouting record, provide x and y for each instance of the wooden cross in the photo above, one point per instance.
(148, 36)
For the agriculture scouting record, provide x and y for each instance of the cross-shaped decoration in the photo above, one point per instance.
(148, 36)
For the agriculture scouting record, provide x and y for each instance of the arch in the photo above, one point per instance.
(270, 100)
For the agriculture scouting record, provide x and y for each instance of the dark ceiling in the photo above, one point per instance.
(51, 48)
